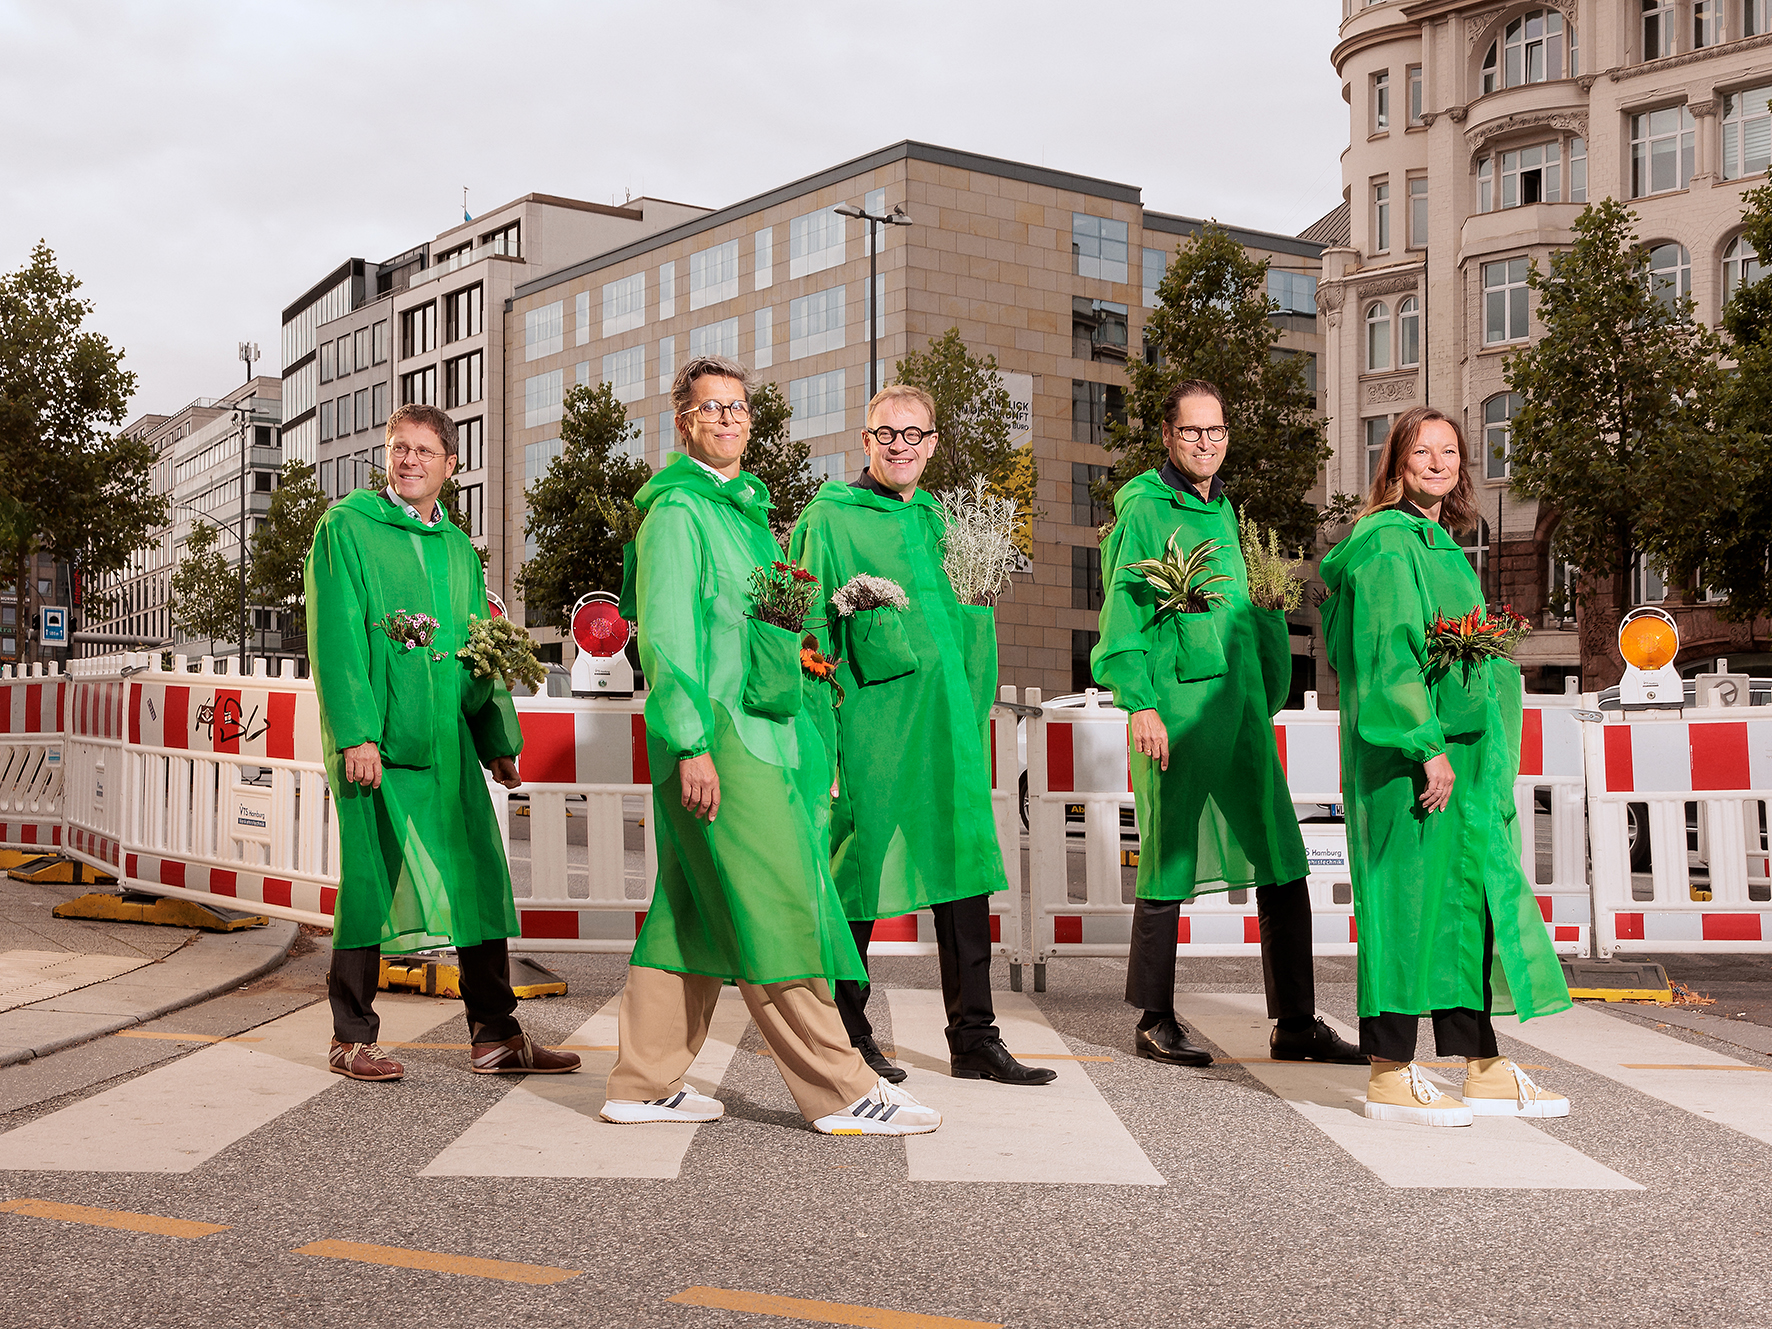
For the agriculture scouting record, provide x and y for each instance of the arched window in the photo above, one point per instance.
(1498, 430)
(1670, 272)
(1408, 332)
(1536, 47)
(1475, 543)
(1378, 336)
(1741, 267)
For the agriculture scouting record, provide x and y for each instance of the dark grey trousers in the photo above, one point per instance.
(485, 991)
(1283, 912)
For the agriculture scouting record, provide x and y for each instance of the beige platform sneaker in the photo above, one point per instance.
(1403, 1093)
(1495, 1087)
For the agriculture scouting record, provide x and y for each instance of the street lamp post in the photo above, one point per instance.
(248, 354)
(894, 218)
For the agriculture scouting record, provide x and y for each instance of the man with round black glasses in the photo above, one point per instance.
(1201, 690)
(912, 827)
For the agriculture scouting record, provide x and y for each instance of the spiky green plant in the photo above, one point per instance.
(1274, 582)
(1182, 578)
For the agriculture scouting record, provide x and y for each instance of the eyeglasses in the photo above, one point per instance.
(425, 455)
(710, 410)
(886, 435)
(1192, 433)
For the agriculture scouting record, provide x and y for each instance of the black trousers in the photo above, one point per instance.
(1283, 913)
(963, 948)
(1458, 1031)
(485, 991)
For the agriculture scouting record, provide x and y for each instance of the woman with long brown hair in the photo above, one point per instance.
(1447, 922)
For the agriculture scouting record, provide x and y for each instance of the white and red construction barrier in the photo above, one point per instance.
(32, 716)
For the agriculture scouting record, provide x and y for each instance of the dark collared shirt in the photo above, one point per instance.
(1408, 509)
(1173, 477)
(873, 486)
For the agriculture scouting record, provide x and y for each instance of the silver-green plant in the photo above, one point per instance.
(499, 646)
(978, 550)
(1274, 582)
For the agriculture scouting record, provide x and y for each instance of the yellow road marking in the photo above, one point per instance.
(1694, 1066)
(507, 1271)
(113, 1218)
(821, 1312)
(1054, 1056)
(187, 1038)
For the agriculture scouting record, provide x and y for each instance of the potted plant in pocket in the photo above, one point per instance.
(1182, 581)
(782, 595)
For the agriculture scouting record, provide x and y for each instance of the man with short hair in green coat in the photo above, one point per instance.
(913, 826)
(391, 585)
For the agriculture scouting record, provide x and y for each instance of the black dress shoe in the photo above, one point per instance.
(1168, 1041)
(1318, 1043)
(990, 1060)
(876, 1060)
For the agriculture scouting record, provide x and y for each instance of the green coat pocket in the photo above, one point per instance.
(1461, 697)
(772, 670)
(978, 639)
(406, 737)
(1199, 650)
(878, 647)
(1273, 646)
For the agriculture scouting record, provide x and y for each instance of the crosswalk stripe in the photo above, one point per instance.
(1649, 1062)
(1497, 1152)
(1057, 1133)
(177, 1117)
(548, 1125)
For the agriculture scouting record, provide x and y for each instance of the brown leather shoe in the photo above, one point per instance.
(363, 1061)
(519, 1056)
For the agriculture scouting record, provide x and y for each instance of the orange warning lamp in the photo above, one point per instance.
(1649, 639)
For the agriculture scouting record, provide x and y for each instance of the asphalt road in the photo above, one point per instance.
(1243, 1194)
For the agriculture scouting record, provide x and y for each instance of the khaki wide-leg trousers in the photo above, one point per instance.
(664, 1022)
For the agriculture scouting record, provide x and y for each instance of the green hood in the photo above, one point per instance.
(746, 493)
(372, 504)
(837, 491)
(1342, 559)
(1151, 485)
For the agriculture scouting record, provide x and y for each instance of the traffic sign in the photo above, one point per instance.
(55, 625)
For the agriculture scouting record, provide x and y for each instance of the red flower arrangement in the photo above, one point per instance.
(783, 594)
(1475, 636)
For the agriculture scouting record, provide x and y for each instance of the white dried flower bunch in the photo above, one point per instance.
(978, 551)
(862, 593)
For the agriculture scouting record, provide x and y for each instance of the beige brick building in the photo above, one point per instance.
(1050, 272)
(1477, 133)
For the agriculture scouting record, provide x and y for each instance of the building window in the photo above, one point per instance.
(379, 341)
(1085, 577)
(464, 312)
(1281, 353)
(1747, 133)
(1415, 94)
(420, 386)
(1707, 23)
(537, 457)
(1741, 267)
(344, 356)
(1504, 301)
(1520, 177)
(1658, 29)
(418, 332)
(1670, 273)
(1531, 50)
(667, 290)
(1082, 646)
(667, 363)
(1418, 212)
(713, 275)
(624, 304)
(362, 412)
(326, 479)
(541, 398)
(667, 436)
(506, 240)
(362, 342)
(1498, 414)
(1578, 170)
(1381, 217)
(326, 362)
(1660, 151)
(763, 354)
(544, 330)
(1756, 17)
(1381, 101)
(1378, 336)
(471, 443)
(471, 505)
(817, 404)
(815, 242)
(1099, 330)
(816, 323)
(1086, 510)
(378, 405)
(714, 339)
(625, 372)
(764, 250)
(464, 379)
(1098, 247)
(1408, 332)
(328, 415)
(1378, 428)
(1156, 262)
(1294, 292)
(1094, 406)
(345, 425)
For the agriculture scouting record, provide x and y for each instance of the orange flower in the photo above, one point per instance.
(816, 664)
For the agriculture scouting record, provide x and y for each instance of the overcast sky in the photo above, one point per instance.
(199, 165)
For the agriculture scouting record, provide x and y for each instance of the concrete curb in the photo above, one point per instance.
(212, 964)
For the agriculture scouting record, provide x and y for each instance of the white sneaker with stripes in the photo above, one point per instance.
(884, 1110)
(684, 1105)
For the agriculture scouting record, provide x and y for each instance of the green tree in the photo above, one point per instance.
(1212, 321)
(1615, 428)
(779, 461)
(581, 511)
(76, 489)
(280, 544)
(205, 589)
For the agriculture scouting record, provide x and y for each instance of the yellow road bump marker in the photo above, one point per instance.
(1696, 1066)
(821, 1312)
(1054, 1056)
(113, 1218)
(506, 1271)
(463, 1047)
(187, 1038)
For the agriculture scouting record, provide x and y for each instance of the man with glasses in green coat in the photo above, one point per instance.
(912, 827)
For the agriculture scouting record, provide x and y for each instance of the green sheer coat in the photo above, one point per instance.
(912, 825)
(749, 894)
(1221, 816)
(1422, 881)
(421, 861)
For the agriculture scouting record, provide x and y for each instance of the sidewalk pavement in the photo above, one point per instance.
(115, 974)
